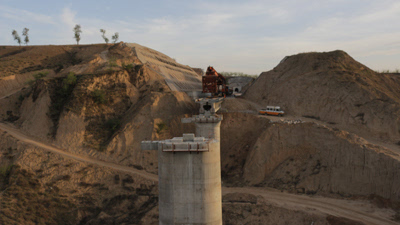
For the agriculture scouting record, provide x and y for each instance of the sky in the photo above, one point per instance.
(249, 36)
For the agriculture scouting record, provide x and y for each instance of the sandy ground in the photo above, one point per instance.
(355, 210)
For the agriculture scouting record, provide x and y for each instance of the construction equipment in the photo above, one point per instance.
(215, 83)
(272, 110)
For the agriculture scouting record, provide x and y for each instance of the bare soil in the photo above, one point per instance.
(334, 88)
(247, 205)
(334, 159)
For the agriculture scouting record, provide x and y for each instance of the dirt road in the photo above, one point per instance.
(22, 137)
(354, 210)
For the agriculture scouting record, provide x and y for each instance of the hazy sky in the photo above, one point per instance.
(247, 36)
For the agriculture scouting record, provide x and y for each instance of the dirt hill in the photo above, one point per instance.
(335, 88)
(99, 101)
(117, 96)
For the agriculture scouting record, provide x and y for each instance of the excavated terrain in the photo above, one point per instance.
(99, 102)
(334, 88)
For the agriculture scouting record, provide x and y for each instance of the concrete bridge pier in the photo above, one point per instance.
(189, 171)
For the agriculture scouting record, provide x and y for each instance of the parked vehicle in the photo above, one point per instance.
(272, 110)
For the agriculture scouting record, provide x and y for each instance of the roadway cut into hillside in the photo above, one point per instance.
(353, 210)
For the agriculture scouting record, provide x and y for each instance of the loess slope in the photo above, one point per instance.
(335, 88)
(101, 101)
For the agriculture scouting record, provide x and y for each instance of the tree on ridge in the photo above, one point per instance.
(104, 35)
(115, 37)
(25, 33)
(16, 37)
(77, 32)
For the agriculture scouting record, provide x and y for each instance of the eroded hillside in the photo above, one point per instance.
(99, 102)
(105, 106)
(334, 88)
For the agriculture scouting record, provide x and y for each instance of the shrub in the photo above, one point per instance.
(161, 126)
(36, 77)
(5, 170)
(112, 62)
(69, 81)
(388, 71)
(30, 82)
(58, 67)
(99, 96)
(113, 124)
(40, 75)
(21, 98)
(128, 67)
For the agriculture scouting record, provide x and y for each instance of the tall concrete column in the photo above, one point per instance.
(189, 171)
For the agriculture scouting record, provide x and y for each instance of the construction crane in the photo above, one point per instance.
(215, 83)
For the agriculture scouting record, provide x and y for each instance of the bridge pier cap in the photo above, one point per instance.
(207, 112)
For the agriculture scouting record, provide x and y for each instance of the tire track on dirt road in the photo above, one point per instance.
(334, 207)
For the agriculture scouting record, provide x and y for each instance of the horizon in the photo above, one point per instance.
(249, 37)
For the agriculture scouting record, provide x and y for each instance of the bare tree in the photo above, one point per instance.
(77, 32)
(25, 33)
(115, 37)
(16, 37)
(104, 35)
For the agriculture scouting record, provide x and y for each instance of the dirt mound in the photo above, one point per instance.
(335, 88)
